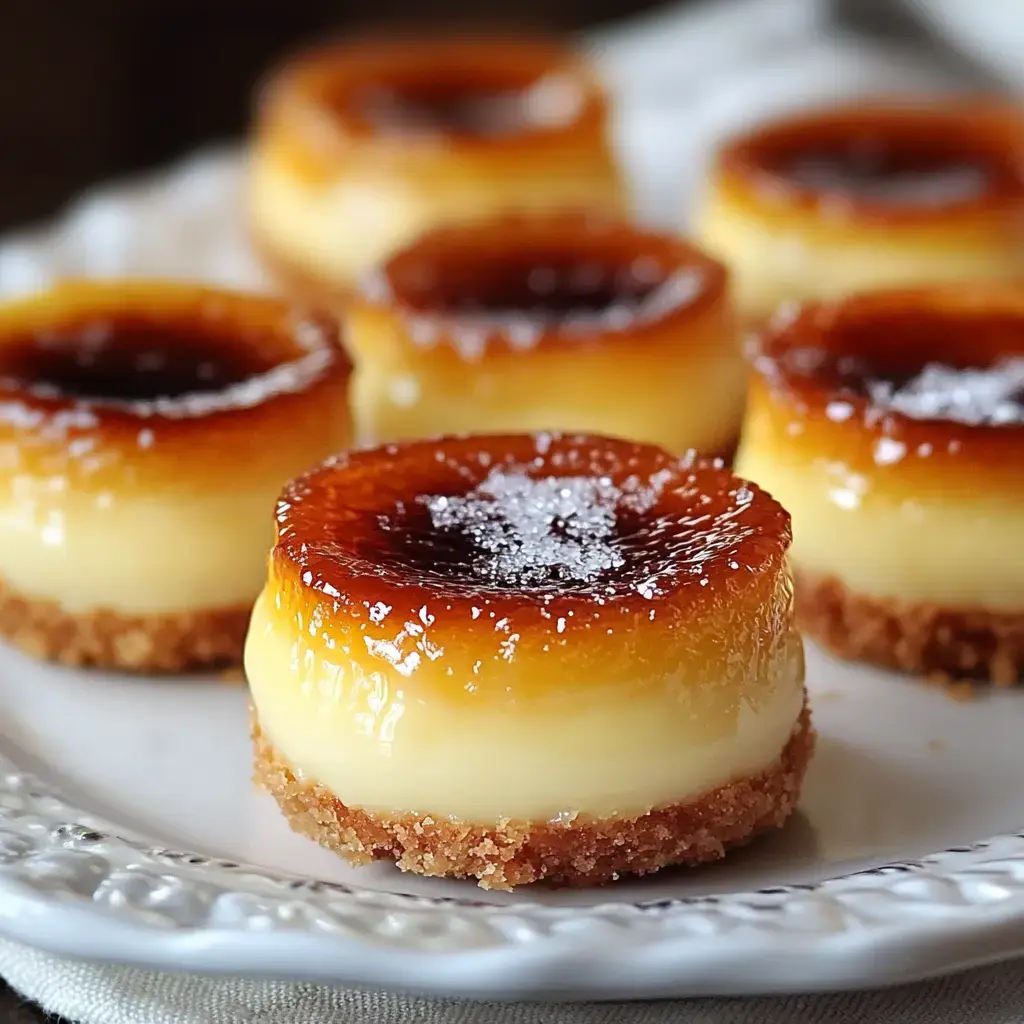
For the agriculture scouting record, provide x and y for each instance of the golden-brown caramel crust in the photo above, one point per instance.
(360, 562)
(246, 370)
(811, 390)
(166, 642)
(927, 640)
(978, 136)
(359, 521)
(492, 290)
(583, 852)
(312, 111)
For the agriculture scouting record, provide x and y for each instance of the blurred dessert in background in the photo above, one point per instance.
(145, 430)
(360, 148)
(515, 658)
(562, 322)
(891, 425)
(821, 204)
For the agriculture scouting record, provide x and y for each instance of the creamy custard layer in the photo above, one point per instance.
(610, 755)
(959, 550)
(624, 393)
(138, 555)
(773, 264)
(336, 229)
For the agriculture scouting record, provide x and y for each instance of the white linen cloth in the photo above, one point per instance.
(101, 994)
(681, 78)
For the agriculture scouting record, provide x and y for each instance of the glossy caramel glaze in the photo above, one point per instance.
(825, 375)
(137, 384)
(684, 574)
(519, 283)
(492, 93)
(894, 163)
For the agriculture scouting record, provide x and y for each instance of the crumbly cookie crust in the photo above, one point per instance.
(929, 640)
(167, 642)
(583, 852)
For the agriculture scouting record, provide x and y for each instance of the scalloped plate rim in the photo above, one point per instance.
(898, 948)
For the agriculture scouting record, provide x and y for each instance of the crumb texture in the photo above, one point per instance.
(580, 852)
(941, 644)
(170, 642)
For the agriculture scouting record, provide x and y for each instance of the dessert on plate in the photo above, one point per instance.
(566, 321)
(145, 430)
(359, 148)
(517, 657)
(833, 201)
(891, 425)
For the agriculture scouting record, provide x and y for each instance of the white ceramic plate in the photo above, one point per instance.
(129, 829)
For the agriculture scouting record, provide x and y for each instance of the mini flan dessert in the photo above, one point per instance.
(514, 658)
(360, 148)
(891, 425)
(826, 203)
(561, 322)
(146, 429)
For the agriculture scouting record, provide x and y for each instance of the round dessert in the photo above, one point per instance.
(831, 202)
(145, 431)
(538, 323)
(892, 426)
(522, 657)
(360, 148)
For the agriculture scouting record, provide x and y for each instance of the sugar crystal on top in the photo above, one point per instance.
(530, 530)
(471, 329)
(993, 396)
(864, 173)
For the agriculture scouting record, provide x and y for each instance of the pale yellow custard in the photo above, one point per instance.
(775, 262)
(891, 425)
(359, 149)
(839, 200)
(882, 537)
(61, 551)
(374, 740)
(548, 323)
(514, 657)
(333, 231)
(145, 430)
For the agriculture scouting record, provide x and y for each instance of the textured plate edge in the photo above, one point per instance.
(598, 971)
(82, 890)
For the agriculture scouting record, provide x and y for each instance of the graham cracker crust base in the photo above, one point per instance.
(169, 642)
(578, 853)
(941, 644)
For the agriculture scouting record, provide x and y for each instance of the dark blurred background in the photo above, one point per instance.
(90, 89)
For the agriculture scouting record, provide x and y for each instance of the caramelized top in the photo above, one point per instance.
(884, 162)
(465, 92)
(147, 366)
(934, 373)
(131, 360)
(453, 109)
(520, 282)
(550, 527)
